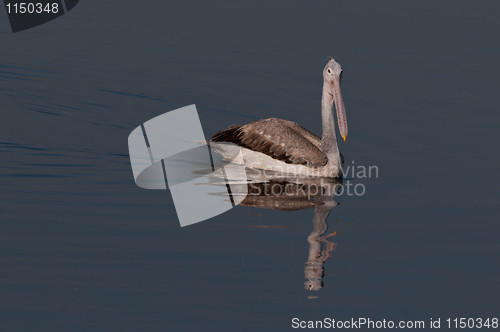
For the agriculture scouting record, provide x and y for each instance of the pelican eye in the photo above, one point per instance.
(329, 71)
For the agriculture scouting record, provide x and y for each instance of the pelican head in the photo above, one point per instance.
(331, 79)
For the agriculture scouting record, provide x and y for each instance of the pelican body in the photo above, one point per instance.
(284, 146)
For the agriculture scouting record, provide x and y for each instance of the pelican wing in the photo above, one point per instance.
(280, 139)
(303, 132)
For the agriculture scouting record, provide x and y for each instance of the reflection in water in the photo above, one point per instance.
(265, 190)
(314, 269)
(290, 194)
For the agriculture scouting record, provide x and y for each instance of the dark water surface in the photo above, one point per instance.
(83, 249)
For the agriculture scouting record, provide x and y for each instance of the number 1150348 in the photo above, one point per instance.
(32, 8)
(471, 323)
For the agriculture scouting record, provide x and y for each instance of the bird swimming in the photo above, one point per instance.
(287, 147)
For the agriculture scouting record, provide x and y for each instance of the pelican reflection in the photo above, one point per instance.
(291, 194)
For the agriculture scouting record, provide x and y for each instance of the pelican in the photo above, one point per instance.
(287, 147)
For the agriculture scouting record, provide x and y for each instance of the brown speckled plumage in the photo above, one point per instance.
(280, 139)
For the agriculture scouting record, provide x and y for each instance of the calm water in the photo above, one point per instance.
(84, 249)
